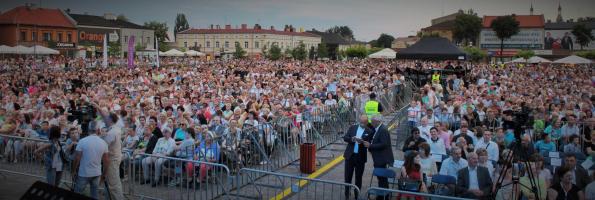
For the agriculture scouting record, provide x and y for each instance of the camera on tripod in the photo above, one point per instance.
(84, 114)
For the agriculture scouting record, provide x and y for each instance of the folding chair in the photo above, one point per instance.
(382, 172)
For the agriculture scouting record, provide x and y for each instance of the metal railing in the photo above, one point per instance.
(274, 185)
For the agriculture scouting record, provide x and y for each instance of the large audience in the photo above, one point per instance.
(196, 109)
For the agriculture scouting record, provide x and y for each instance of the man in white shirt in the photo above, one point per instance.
(424, 129)
(113, 139)
(454, 163)
(486, 143)
(90, 152)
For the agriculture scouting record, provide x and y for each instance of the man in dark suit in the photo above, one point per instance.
(548, 41)
(356, 154)
(581, 176)
(474, 181)
(380, 148)
(567, 42)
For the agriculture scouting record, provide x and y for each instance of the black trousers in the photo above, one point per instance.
(357, 165)
(382, 183)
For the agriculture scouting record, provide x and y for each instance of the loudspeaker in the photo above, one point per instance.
(43, 191)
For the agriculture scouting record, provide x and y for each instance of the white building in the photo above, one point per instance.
(216, 40)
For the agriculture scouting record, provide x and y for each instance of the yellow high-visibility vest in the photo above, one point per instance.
(371, 109)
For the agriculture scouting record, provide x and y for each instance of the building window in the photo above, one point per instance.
(226, 44)
(195, 44)
(148, 40)
(34, 36)
(236, 44)
(246, 45)
(59, 37)
(208, 44)
(47, 37)
(69, 37)
(217, 44)
(256, 45)
(185, 44)
(125, 39)
(23, 36)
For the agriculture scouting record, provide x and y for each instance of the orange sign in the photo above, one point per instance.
(91, 36)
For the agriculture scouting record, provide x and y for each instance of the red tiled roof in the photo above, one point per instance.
(246, 31)
(36, 16)
(525, 21)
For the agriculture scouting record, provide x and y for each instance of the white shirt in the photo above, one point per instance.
(491, 147)
(114, 142)
(92, 148)
(425, 132)
(473, 182)
(437, 147)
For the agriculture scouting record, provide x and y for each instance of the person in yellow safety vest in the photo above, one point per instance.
(436, 78)
(372, 107)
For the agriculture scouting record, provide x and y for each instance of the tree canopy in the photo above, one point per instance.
(467, 27)
(274, 52)
(160, 33)
(181, 24)
(583, 35)
(343, 31)
(383, 41)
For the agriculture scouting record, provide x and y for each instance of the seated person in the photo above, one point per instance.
(474, 181)
(413, 141)
(574, 146)
(454, 163)
(564, 188)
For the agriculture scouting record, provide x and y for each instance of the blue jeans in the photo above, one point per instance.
(53, 177)
(81, 185)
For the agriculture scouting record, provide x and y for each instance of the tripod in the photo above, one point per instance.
(512, 159)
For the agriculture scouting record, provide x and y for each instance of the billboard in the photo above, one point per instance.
(564, 39)
(95, 35)
(525, 39)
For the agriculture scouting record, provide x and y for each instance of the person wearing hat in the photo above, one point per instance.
(372, 107)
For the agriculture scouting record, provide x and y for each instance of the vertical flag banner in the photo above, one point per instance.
(131, 52)
(157, 49)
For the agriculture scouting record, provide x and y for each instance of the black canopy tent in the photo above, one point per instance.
(432, 48)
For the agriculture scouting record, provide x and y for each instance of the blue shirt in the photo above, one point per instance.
(451, 168)
(544, 148)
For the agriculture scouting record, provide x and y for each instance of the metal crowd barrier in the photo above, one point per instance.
(274, 185)
(394, 194)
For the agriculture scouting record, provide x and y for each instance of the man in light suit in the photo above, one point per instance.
(380, 148)
(474, 181)
(356, 154)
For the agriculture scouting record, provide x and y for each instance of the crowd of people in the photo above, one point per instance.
(536, 121)
(195, 110)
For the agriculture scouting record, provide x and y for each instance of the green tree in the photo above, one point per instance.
(586, 54)
(287, 53)
(322, 51)
(526, 54)
(114, 49)
(264, 51)
(239, 53)
(299, 53)
(160, 33)
(343, 31)
(374, 50)
(122, 17)
(583, 34)
(505, 27)
(384, 41)
(274, 52)
(356, 52)
(475, 54)
(139, 47)
(312, 53)
(181, 24)
(467, 27)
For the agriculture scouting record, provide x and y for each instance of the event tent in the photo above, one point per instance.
(432, 48)
(537, 59)
(6, 49)
(38, 49)
(172, 52)
(384, 53)
(517, 60)
(22, 50)
(194, 53)
(573, 60)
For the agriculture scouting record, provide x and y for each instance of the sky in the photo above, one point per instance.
(367, 18)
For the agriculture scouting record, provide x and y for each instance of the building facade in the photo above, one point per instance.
(92, 30)
(216, 40)
(28, 26)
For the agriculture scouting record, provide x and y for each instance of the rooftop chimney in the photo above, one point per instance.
(109, 16)
(272, 28)
(211, 26)
(227, 26)
(257, 27)
(244, 26)
(218, 27)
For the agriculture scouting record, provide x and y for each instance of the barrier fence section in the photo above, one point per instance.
(395, 194)
(274, 185)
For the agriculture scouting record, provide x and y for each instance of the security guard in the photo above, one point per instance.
(372, 107)
(435, 78)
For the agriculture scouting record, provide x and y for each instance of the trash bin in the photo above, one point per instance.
(308, 158)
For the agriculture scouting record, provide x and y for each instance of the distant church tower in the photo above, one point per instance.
(559, 18)
(531, 10)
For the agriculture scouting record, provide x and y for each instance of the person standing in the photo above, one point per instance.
(380, 148)
(356, 154)
(54, 157)
(90, 152)
(372, 107)
(114, 142)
